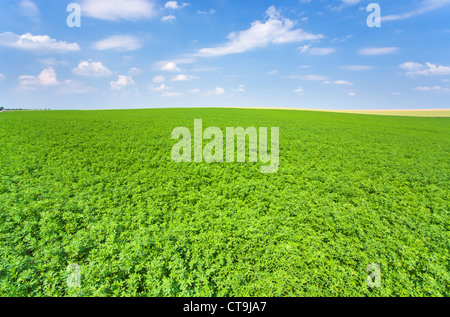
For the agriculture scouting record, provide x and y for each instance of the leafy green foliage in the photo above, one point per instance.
(99, 189)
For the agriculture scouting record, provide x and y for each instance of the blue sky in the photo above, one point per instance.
(254, 53)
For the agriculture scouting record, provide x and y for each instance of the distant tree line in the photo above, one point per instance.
(21, 109)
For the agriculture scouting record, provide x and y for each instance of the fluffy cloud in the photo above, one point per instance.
(46, 78)
(114, 10)
(275, 30)
(122, 82)
(119, 43)
(91, 68)
(2, 77)
(170, 67)
(36, 43)
(429, 69)
(378, 51)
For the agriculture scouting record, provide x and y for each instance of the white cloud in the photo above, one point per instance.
(119, 43)
(73, 87)
(114, 10)
(122, 82)
(338, 82)
(212, 11)
(317, 50)
(164, 90)
(91, 68)
(53, 62)
(424, 7)
(241, 88)
(46, 78)
(378, 51)
(181, 77)
(309, 77)
(174, 5)
(429, 69)
(36, 43)
(134, 71)
(351, 2)
(411, 66)
(168, 18)
(435, 89)
(218, 91)
(357, 68)
(162, 87)
(275, 30)
(272, 72)
(29, 9)
(170, 67)
(159, 79)
(351, 94)
(342, 82)
(299, 91)
(2, 77)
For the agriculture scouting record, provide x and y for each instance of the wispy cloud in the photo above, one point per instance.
(372, 51)
(357, 68)
(317, 50)
(338, 82)
(115, 10)
(308, 77)
(29, 9)
(424, 7)
(119, 43)
(434, 88)
(275, 30)
(182, 77)
(299, 91)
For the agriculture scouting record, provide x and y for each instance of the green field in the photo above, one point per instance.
(99, 189)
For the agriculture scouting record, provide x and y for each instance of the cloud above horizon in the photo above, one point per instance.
(275, 30)
(31, 42)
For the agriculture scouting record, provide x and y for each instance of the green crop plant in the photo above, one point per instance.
(98, 191)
